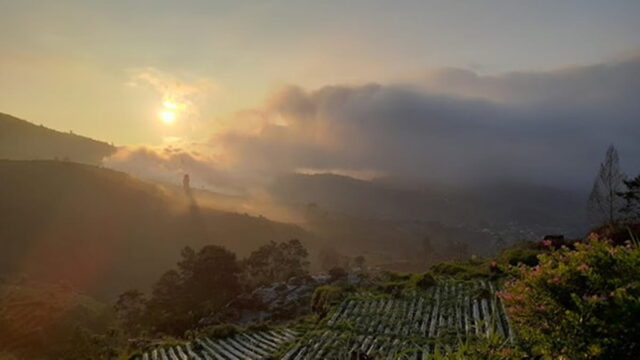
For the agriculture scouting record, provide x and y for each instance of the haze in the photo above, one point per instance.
(428, 89)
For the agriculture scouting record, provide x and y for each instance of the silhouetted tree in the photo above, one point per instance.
(631, 196)
(204, 282)
(604, 202)
(277, 262)
(359, 262)
(210, 277)
(130, 309)
(337, 273)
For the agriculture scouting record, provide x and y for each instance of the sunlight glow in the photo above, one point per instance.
(168, 117)
(170, 105)
(170, 111)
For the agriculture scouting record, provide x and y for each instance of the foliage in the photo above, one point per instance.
(86, 344)
(130, 308)
(215, 331)
(204, 282)
(604, 204)
(337, 273)
(324, 297)
(275, 262)
(631, 196)
(523, 253)
(579, 304)
(462, 270)
(424, 281)
(51, 321)
(475, 348)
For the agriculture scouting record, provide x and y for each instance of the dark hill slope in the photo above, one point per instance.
(22, 140)
(496, 206)
(104, 231)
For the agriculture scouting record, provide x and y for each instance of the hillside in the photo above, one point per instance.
(22, 140)
(509, 210)
(103, 231)
(34, 316)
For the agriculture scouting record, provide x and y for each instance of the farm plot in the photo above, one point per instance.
(257, 345)
(412, 326)
(415, 325)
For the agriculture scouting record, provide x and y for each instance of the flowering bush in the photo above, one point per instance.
(579, 304)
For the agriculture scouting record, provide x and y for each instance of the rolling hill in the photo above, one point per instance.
(499, 208)
(22, 140)
(103, 231)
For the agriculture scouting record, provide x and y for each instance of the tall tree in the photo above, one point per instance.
(604, 202)
(277, 262)
(631, 195)
(130, 308)
(205, 281)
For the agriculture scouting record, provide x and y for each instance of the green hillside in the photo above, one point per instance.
(104, 231)
(22, 140)
(35, 316)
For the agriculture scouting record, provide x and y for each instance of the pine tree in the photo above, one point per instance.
(604, 202)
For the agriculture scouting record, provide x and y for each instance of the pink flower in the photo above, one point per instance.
(583, 267)
(546, 242)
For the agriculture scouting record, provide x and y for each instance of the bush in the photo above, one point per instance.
(214, 331)
(579, 304)
(425, 281)
(337, 273)
(462, 270)
(325, 296)
(526, 254)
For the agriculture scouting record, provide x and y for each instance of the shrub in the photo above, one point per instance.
(325, 296)
(579, 304)
(462, 270)
(214, 331)
(337, 273)
(425, 281)
(525, 253)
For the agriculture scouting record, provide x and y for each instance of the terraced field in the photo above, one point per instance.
(257, 345)
(412, 326)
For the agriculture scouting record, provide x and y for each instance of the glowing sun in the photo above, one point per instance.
(169, 112)
(167, 116)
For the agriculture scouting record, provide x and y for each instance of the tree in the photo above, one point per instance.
(210, 277)
(604, 202)
(204, 282)
(277, 262)
(359, 262)
(631, 197)
(130, 308)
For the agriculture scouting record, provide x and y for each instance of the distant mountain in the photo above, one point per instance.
(103, 231)
(495, 207)
(22, 140)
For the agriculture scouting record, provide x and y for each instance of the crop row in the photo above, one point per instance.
(257, 345)
(412, 326)
(459, 309)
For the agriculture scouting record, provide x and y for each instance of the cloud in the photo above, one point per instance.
(455, 125)
(170, 163)
(184, 94)
(452, 125)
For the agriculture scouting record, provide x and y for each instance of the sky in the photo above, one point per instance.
(247, 88)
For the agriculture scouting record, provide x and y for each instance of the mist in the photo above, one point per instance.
(450, 126)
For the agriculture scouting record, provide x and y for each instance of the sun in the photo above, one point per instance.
(168, 117)
(169, 112)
